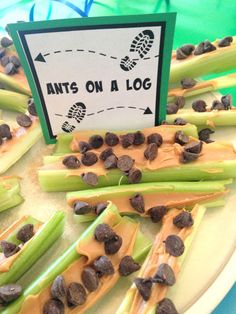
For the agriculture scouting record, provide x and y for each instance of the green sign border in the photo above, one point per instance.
(168, 18)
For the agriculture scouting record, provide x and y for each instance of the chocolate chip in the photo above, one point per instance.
(226, 41)
(103, 232)
(179, 121)
(193, 147)
(134, 176)
(9, 248)
(15, 61)
(184, 51)
(180, 102)
(110, 162)
(6, 42)
(76, 294)
(188, 82)
(182, 220)
(96, 141)
(166, 306)
(157, 213)
(32, 108)
(10, 292)
(181, 138)
(155, 138)
(84, 147)
(128, 266)
(106, 153)
(137, 202)
(53, 306)
(217, 105)
(90, 178)
(187, 157)
(25, 233)
(58, 288)
(125, 163)
(144, 286)
(227, 101)
(127, 140)
(71, 162)
(23, 120)
(103, 266)
(150, 152)
(2, 52)
(90, 279)
(113, 245)
(81, 208)
(10, 69)
(89, 159)
(180, 55)
(174, 245)
(4, 61)
(172, 108)
(164, 275)
(203, 47)
(100, 207)
(111, 139)
(5, 131)
(204, 134)
(139, 138)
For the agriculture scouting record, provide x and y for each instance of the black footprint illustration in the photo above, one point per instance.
(77, 111)
(141, 44)
(67, 127)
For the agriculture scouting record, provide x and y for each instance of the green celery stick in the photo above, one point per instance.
(40, 243)
(13, 101)
(10, 192)
(141, 248)
(11, 84)
(127, 301)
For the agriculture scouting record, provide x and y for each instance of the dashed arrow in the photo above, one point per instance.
(40, 58)
(148, 111)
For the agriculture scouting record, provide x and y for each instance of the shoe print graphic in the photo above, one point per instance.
(67, 127)
(77, 111)
(140, 45)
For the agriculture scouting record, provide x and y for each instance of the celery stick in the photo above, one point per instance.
(142, 246)
(13, 101)
(10, 192)
(12, 84)
(35, 248)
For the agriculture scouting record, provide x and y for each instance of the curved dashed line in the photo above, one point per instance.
(117, 107)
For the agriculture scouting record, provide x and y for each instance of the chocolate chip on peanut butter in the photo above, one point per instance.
(100, 207)
(172, 108)
(106, 153)
(181, 138)
(174, 245)
(89, 159)
(164, 275)
(90, 178)
(204, 134)
(31, 107)
(53, 306)
(84, 147)
(157, 213)
(193, 147)
(187, 157)
(58, 288)
(144, 286)
(103, 232)
(204, 47)
(188, 82)
(110, 162)
(4, 61)
(76, 294)
(71, 162)
(155, 138)
(103, 266)
(134, 175)
(128, 266)
(25, 233)
(113, 245)
(227, 101)
(127, 140)
(226, 41)
(23, 120)
(183, 220)
(111, 139)
(96, 141)
(184, 51)
(9, 293)
(179, 121)
(166, 306)
(199, 105)
(151, 151)
(15, 60)
(5, 131)
(180, 102)
(137, 202)
(217, 105)
(125, 163)
(9, 248)
(10, 69)
(82, 208)
(6, 42)
(139, 138)
(90, 279)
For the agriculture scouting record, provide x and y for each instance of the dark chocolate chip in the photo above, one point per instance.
(180, 55)
(193, 147)
(103, 266)
(96, 141)
(32, 108)
(166, 306)
(58, 288)
(217, 105)
(164, 275)
(227, 101)
(6, 42)
(53, 306)
(10, 68)
(128, 266)
(144, 286)
(188, 82)
(106, 153)
(103, 232)
(125, 163)
(181, 138)
(226, 41)
(71, 162)
(10, 292)
(81, 208)
(180, 102)
(23, 120)
(9, 248)
(4, 61)
(187, 157)
(137, 202)
(90, 178)
(25, 233)
(110, 162)
(127, 140)
(203, 47)
(157, 213)
(100, 207)
(155, 138)
(150, 152)
(15, 60)
(139, 138)
(182, 220)
(187, 49)
(89, 159)
(204, 134)
(111, 139)
(179, 121)
(172, 108)
(84, 147)
(2, 52)
(90, 279)
(174, 245)
(113, 245)
(5, 131)
(76, 294)
(134, 175)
